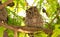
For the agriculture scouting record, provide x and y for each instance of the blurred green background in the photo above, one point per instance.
(17, 12)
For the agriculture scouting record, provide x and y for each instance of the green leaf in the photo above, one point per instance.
(23, 35)
(40, 34)
(51, 7)
(22, 4)
(1, 31)
(10, 33)
(41, 1)
(4, 1)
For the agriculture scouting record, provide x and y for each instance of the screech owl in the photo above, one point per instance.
(3, 14)
(33, 17)
(3, 11)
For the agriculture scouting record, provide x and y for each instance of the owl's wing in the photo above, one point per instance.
(3, 15)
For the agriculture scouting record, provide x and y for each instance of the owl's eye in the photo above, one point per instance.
(30, 12)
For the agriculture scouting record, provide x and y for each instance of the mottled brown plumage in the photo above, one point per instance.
(33, 18)
(3, 14)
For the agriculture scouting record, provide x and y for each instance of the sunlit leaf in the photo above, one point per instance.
(40, 34)
(51, 7)
(2, 31)
(10, 33)
(23, 35)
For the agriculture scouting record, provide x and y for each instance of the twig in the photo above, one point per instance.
(8, 2)
(6, 26)
(49, 24)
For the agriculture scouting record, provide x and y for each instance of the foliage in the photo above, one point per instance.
(1, 31)
(16, 20)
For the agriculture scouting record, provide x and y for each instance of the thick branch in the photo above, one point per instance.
(15, 34)
(5, 4)
(25, 29)
(6, 26)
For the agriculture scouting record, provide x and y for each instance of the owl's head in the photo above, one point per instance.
(32, 11)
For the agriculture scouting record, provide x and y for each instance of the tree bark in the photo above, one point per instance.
(5, 4)
(5, 33)
(15, 34)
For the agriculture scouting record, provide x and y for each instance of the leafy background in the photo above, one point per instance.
(20, 8)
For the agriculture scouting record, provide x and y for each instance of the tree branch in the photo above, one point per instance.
(15, 33)
(49, 24)
(25, 29)
(5, 4)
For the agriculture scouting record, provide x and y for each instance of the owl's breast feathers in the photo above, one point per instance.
(33, 18)
(3, 14)
(34, 21)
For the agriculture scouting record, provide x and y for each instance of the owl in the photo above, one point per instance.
(3, 14)
(33, 18)
(3, 11)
